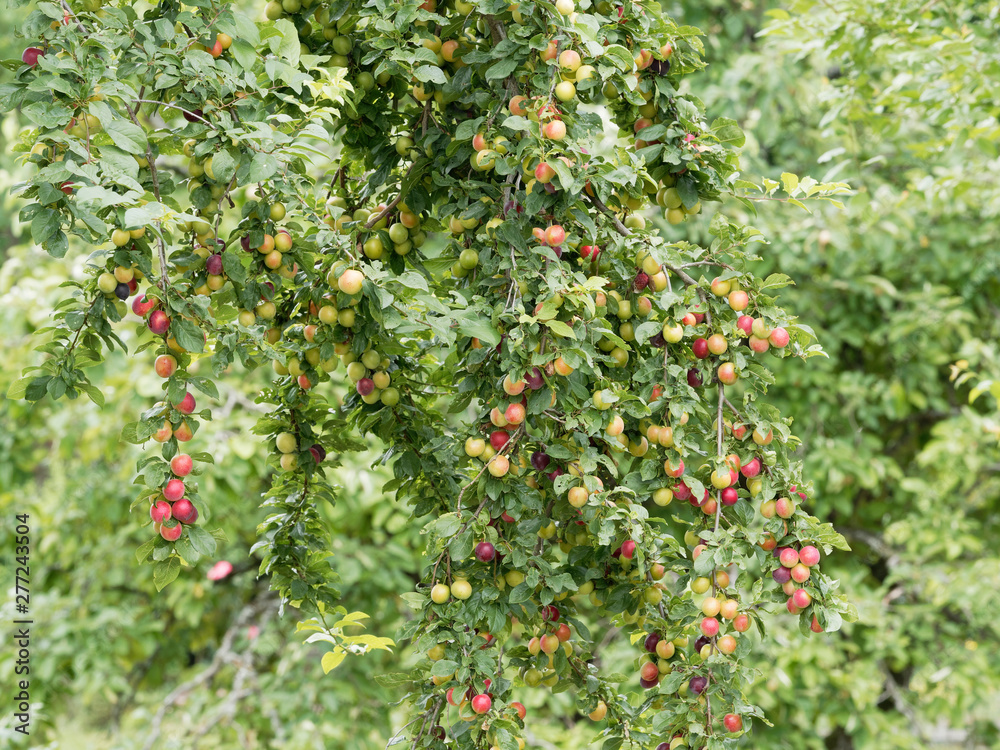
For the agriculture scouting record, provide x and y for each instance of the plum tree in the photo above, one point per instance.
(537, 358)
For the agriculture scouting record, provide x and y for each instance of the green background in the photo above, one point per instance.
(900, 432)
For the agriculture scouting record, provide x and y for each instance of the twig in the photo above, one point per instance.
(395, 202)
(619, 227)
(433, 720)
(172, 106)
(71, 14)
(222, 656)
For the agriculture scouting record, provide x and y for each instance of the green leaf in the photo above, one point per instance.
(287, 46)
(127, 136)
(202, 542)
(430, 74)
(18, 388)
(790, 182)
(391, 679)
(223, 166)
(444, 668)
(331, 660)
(560, 329)
(143, 550)
(166, 571)
(728, 131)
(480, 329)
(93, 393)
(188, 335)
(620, 57)
(44, 225)
(502, 69)
(262, 167)
(204, 385)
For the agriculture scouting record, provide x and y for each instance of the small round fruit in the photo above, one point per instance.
(461, 589)
(482, 703)
(440, 593)
(286, 442)
(350, 281)
(600, 712)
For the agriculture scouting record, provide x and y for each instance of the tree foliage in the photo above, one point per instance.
(478, 120)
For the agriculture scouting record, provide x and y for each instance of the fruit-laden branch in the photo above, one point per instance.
(395, 201)
(624, 232)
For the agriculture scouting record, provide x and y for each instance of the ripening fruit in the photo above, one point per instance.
(350, 281)
(481, 703)
(107, 283)
(600, 712)
(165, 365)
(779, 338)
(440, 593)
(474, 447)
(578, 496)
(801, 598)
(701, 585)
(171, 533)
(784, 507)
(711, 606)
(286, 442)
(663, 496)
(461, 589)
(733, 723)
(549, 643)
(809, 556)
(499, 466)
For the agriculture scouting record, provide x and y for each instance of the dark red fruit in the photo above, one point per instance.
(700, 348)
(30, 56)
(485, 552)
(540, 461)
(365, 386)
(698, 684)
(650, 643)
(213, 264)
(318, 453)
(694, 378)
(534, 381)
(628, 549)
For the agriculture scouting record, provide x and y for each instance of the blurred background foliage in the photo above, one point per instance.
(900, 429)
